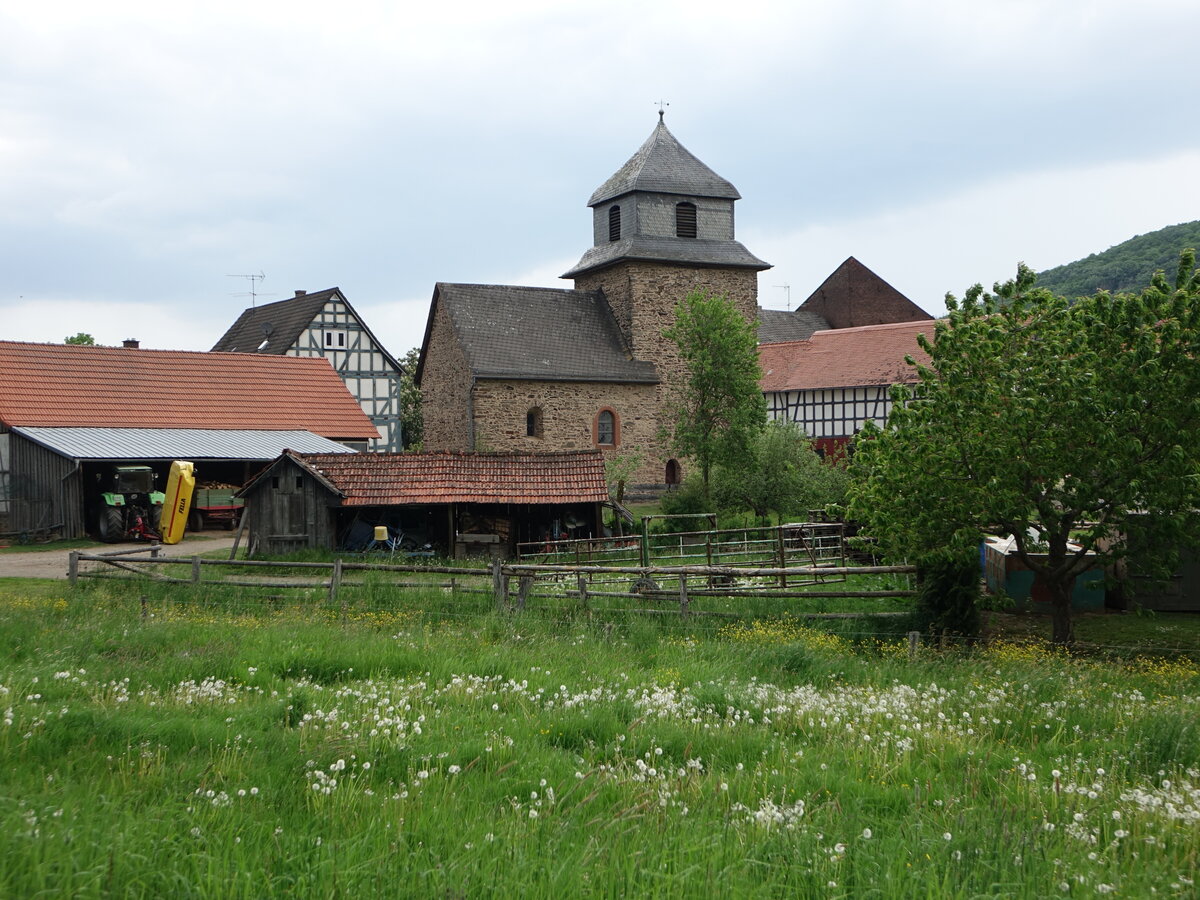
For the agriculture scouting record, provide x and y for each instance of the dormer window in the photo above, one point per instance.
(614, 223)
(685, 220)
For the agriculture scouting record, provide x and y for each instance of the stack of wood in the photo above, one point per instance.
(217, 486)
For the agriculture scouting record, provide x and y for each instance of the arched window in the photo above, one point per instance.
(685, 220)
(672, 474)
(614, 223)
(608, 428)
(533, 422)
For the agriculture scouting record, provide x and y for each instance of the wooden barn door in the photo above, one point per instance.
(288, 530)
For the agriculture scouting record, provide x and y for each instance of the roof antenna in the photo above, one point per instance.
(662, 109)
(253, 278)
(788, 289)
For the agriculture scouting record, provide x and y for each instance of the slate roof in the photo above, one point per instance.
(281, 323)
(550, 334)
(776, 325)
(176, 443)
(845, 357)
(853, 296)
(689, 251)
(57, 385)
(399, 479)
(663, 165)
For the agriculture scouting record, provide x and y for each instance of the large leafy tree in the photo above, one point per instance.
(719, 405)
(783, 475)
(1070, 427)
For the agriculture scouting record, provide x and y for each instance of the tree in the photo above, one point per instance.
(411, 422)
(718, 404)
(1070, 427)
(82, 338)
(783, 475)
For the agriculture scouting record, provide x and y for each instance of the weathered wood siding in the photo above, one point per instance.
(45, 489)
(289, 511)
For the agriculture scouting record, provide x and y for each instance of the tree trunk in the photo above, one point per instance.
(1063, 631)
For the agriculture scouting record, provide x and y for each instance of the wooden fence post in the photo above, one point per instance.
(782, 555)
(523, 591)
(335, 582)
(73, 567)
(195, 570)
(499, 586)
(583, 594)
(914, 639)
(683, 596)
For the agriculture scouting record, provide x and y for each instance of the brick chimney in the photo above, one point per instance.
(130, 343)
(300, 294)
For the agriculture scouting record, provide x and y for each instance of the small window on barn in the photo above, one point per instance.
(673, 472)
(533, 422)
(608, 429)
(334, 340)
(274, 482)
(614, 223)
(299, 482)
(685, 220)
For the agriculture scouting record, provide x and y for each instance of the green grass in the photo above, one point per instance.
(189, 745)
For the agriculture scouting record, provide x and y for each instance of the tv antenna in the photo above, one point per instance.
(253, 278)
(788, 291)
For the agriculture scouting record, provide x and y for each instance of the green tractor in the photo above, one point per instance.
(131, 508)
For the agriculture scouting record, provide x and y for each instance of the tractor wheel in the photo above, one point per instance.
(156, 518)
(195, 522)
(111, 525)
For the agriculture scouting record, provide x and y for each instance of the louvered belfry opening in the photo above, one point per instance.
(685, 220)
(614, 223)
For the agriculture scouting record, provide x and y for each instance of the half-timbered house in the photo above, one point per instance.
(832, 384)
(324, 324)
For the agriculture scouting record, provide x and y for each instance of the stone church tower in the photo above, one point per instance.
(663, 227)
(522, 368)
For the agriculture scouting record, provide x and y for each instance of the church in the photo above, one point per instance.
(537, 369)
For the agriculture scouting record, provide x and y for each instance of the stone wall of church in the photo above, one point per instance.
(445, 389)
(643, 297)
(569, 411)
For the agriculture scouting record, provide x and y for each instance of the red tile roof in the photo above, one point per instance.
(395, 479)
(63, 385)
(845, 357)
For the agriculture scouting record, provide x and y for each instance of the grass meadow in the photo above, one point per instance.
(172, 741)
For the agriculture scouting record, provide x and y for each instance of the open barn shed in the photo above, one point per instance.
(456, 502)
(70, 414)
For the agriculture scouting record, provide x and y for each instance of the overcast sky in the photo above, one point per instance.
(151, 153)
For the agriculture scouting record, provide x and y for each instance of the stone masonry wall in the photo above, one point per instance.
(569, 411)
(643, 297)
(445, 389)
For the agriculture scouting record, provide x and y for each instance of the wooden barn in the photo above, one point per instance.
(69, 414)
(837, 380)
(456, 502)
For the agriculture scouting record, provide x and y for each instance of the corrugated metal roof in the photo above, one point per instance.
(176, 443)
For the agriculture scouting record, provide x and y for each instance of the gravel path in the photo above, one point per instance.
(53, 563)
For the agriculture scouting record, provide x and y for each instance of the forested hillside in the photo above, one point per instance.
(1126, 267)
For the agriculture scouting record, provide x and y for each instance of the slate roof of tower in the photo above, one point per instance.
(845, 357)
(663, 165)
(281, 323)
(689, 252)
(56, 385)
(398, 479)
(775, 325)
(551, 334)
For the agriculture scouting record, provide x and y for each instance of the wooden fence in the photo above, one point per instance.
(572, 581)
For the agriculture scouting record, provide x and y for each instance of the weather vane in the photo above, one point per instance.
(662, 108)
